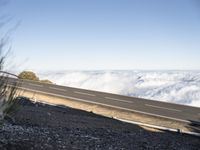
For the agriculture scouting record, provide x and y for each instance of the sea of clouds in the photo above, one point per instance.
(181, 87)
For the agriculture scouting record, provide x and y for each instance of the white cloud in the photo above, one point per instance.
(181, 87)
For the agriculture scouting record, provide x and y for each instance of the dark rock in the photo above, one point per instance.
(50, 127)
(9, 119)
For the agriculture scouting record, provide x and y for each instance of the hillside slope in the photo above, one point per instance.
(42, 126)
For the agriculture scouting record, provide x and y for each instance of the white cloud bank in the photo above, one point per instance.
(182, 87)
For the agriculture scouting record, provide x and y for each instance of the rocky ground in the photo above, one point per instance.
(44, 127)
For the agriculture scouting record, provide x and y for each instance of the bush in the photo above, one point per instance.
(28, 75)
(46, 81)
(7, 92)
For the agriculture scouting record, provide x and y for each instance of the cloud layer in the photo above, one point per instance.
(182, 87)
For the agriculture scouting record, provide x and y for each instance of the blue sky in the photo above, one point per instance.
(106, 34)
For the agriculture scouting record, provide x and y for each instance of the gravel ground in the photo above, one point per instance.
(45, 127)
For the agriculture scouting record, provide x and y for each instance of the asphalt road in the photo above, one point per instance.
(150, 107)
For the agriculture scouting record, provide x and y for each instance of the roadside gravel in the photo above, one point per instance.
(44, 127)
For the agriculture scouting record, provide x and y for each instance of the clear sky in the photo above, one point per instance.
(106, 34)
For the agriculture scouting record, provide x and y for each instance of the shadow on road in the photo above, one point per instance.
(194, 126)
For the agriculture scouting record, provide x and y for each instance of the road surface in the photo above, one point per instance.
(149, 107)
